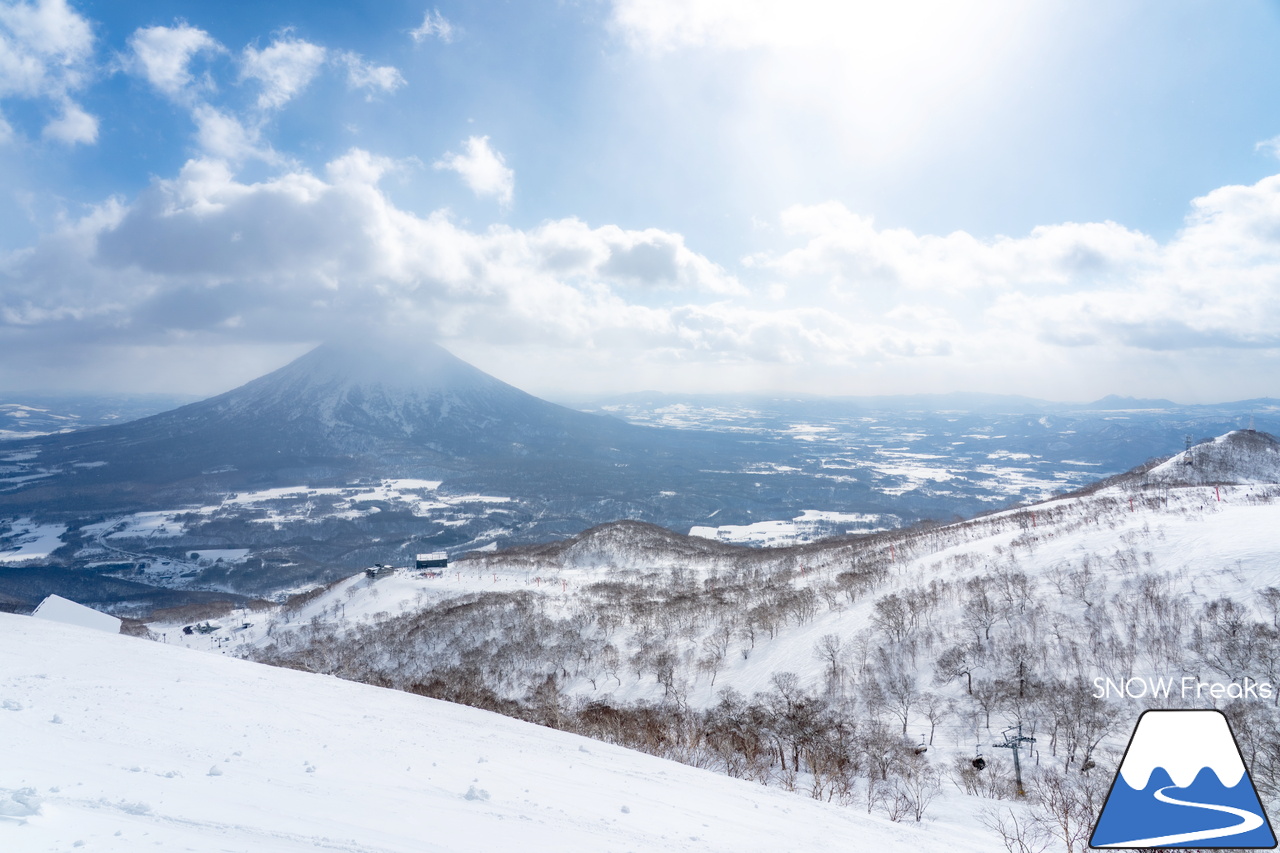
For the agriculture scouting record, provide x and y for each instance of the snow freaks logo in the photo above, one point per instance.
(1188, 687)
(1183, 783)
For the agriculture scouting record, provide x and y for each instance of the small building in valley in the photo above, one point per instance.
(434, 560)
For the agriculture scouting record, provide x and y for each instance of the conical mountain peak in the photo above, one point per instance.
(382, 388)
(423, 366)
(344, 410)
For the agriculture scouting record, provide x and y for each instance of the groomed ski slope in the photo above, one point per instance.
(109, 743)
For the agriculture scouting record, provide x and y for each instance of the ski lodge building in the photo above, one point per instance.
(434, 560)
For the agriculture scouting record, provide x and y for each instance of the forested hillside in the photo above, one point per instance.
(871, 671)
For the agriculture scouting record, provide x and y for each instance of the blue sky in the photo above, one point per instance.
(1058, 199)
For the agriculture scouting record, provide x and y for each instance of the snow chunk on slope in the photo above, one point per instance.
(55, 608)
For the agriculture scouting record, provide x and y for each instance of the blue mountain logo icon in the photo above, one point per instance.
(1183, 783)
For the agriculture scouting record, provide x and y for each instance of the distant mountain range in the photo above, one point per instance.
(355, 454)
(957, 401)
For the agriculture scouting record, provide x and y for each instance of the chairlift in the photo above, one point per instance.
(921, 748)
(978, 761)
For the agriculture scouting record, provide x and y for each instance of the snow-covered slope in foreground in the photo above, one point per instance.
(109, 743)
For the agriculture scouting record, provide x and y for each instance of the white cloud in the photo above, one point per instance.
(73, 126)
(648, 259)
(433, 25)
(1215, 285)
(362, 74)
(1271, 146)
(303, 256)
(223, 135)
(284, 69)
(852, 255)
(46, 50)
(163, 55)
(662, 25)
(482, 169)
(665, 25)
(803, 82)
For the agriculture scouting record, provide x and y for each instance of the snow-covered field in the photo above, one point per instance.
(294, 504)
(27, 540)
(110, 743)
(151, 539)
(810, 525)
(900, 451)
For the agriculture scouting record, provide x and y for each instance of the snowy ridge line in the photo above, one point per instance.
(1039, 522)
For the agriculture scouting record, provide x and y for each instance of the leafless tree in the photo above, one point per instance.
(1070, 804)
(1019, 832)
(830, 651)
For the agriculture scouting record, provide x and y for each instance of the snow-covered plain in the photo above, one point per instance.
(935, 450)
(810, 525)
(289, 504)
(28, 540)
(110, 743)
(150, 538)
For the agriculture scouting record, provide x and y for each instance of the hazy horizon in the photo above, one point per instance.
(574, 399)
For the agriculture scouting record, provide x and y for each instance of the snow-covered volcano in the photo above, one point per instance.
(352, 397)
(338, 412)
